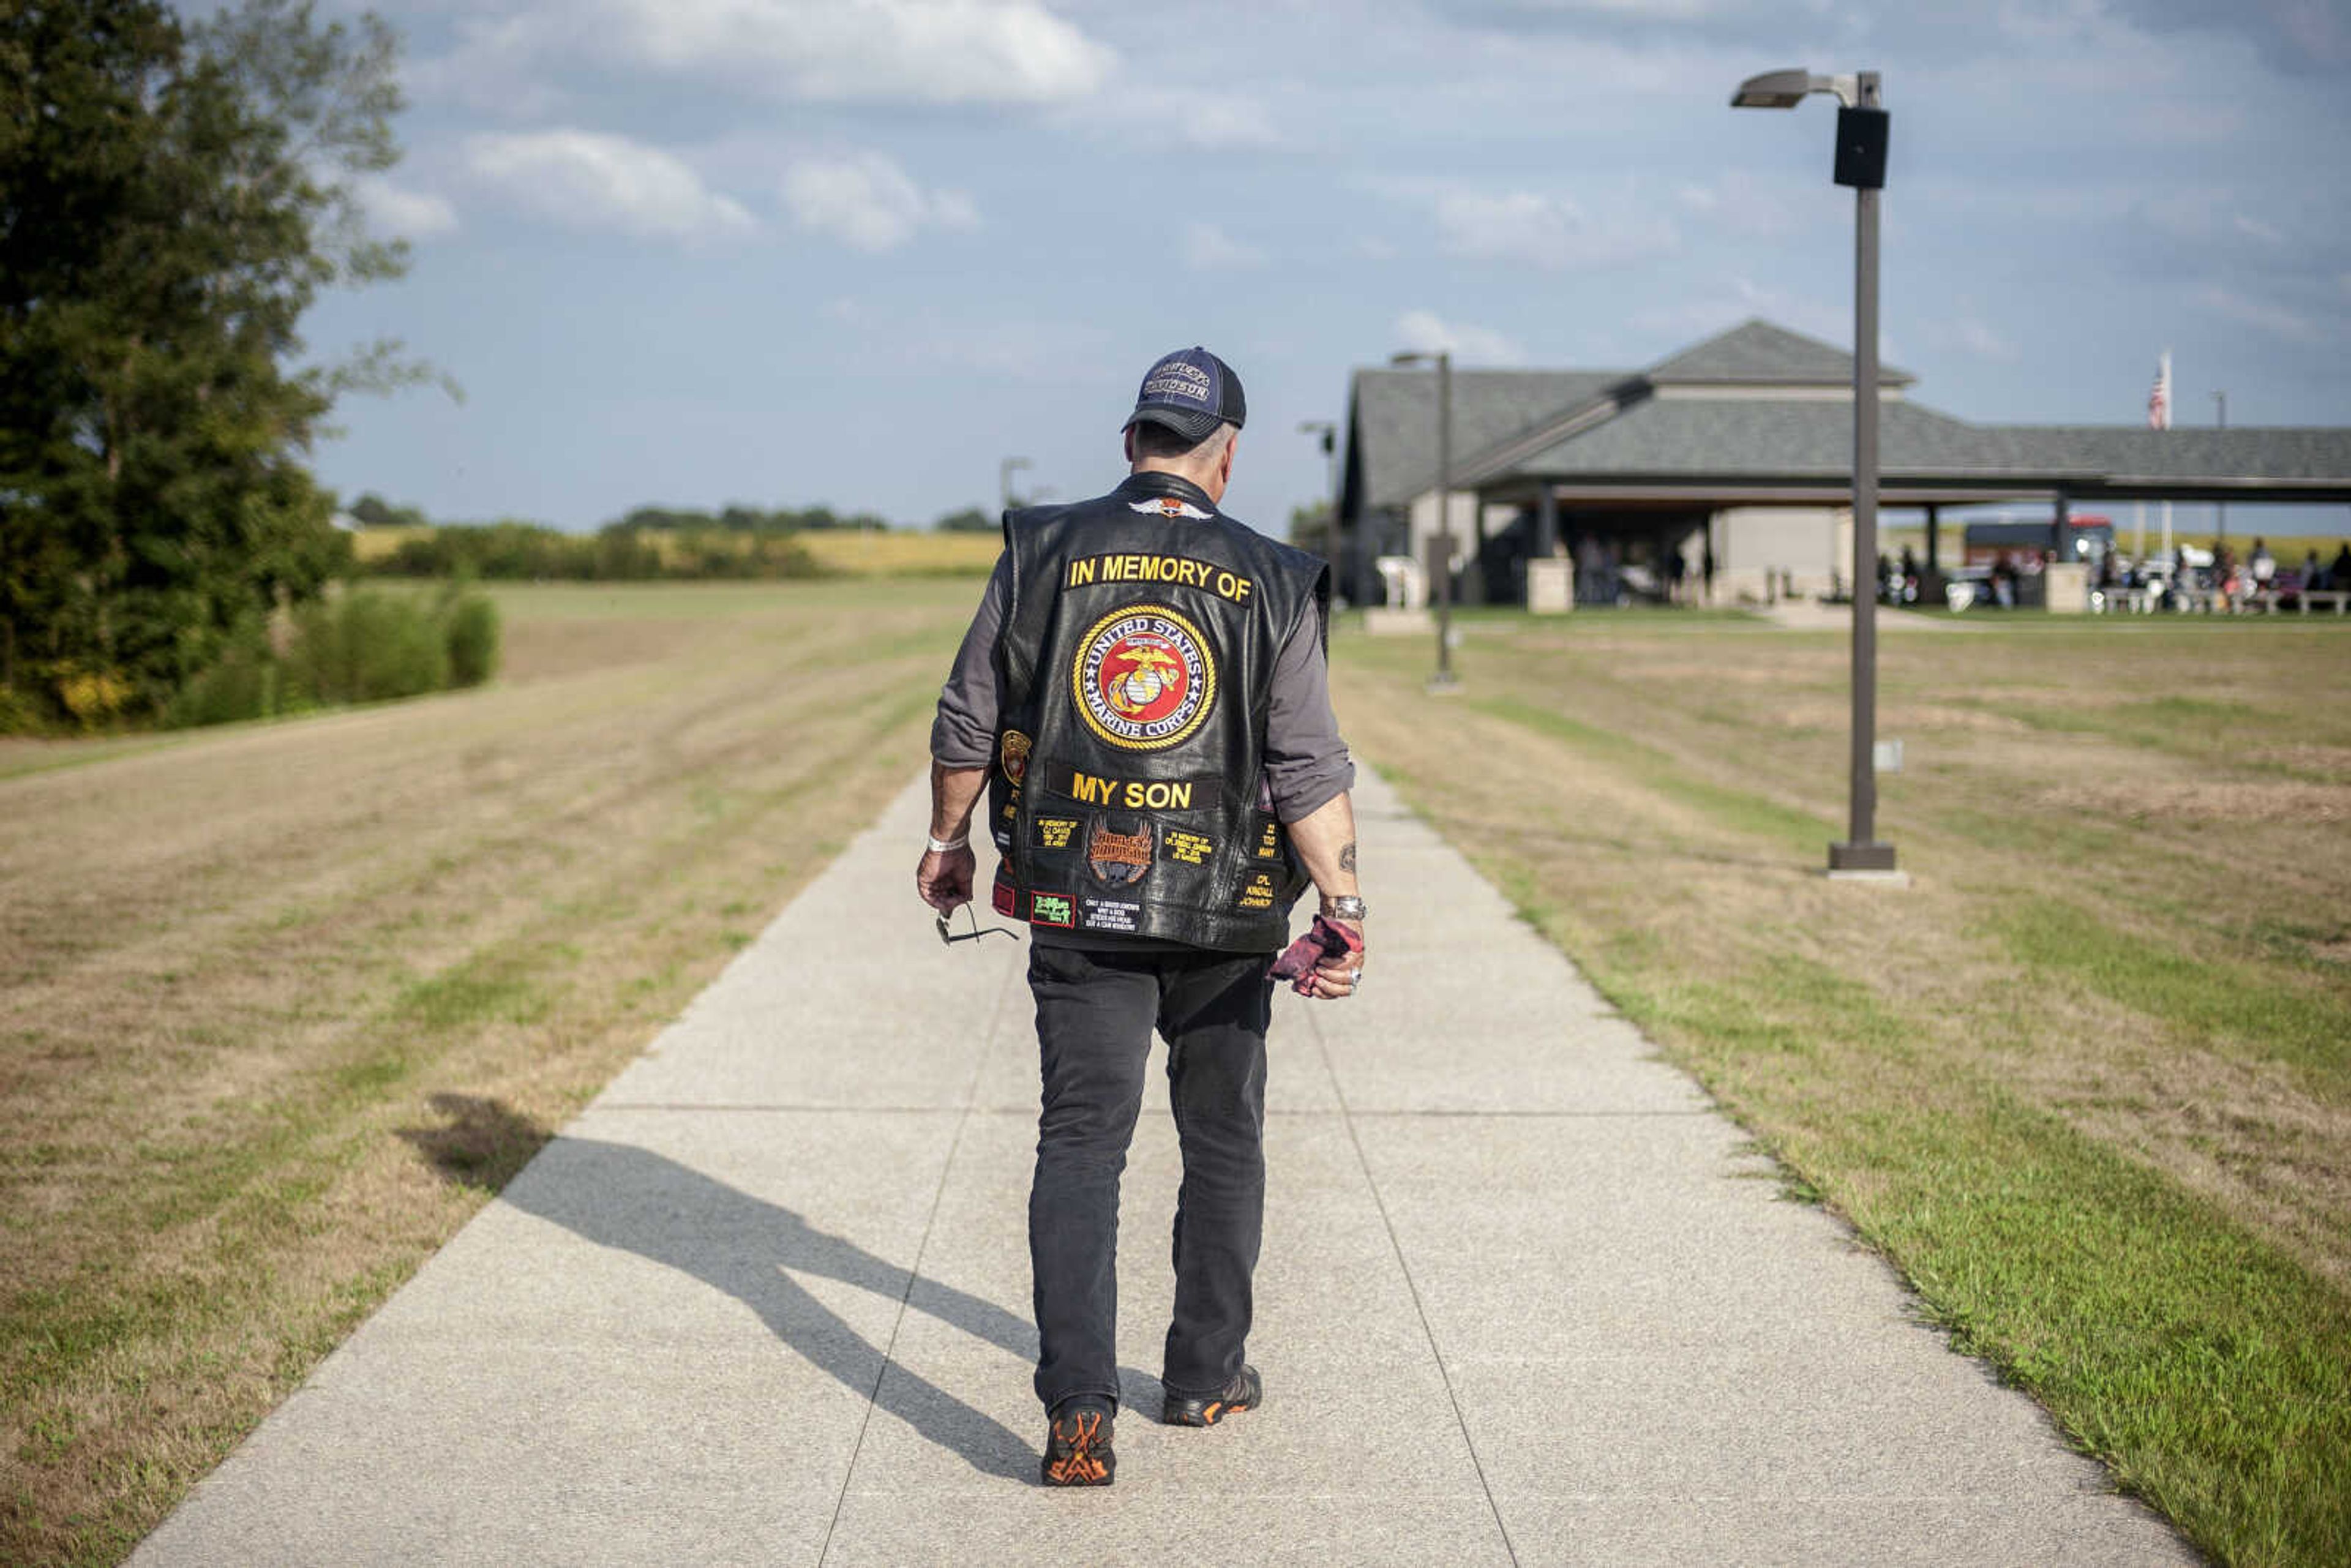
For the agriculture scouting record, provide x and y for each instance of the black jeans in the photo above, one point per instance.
(1096, 1008)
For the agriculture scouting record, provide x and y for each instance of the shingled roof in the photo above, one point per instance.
(1758, 354)
(1707, 416)
(1392, 426)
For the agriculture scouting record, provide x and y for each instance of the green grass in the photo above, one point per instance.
(1740, 810)
(2215, 1002)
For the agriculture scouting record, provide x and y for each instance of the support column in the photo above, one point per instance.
(1546, 523)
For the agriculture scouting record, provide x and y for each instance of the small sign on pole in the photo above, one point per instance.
(1885, 757)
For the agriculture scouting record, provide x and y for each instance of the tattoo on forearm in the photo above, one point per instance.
(1347, 859)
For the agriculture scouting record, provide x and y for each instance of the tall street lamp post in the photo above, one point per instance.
(2222, 398)
(1444, 680)
(1862, 125)
(1329, 434)
(1004, 478)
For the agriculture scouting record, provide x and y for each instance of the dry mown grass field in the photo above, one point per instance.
(2087, 1081)
(264, 990)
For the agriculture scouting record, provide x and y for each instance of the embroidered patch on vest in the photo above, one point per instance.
(1110, 915)
(1192, 849)
(1167, 507)
(1143, 678)
(1015, 755)
(1118, 859)
(1051, 909)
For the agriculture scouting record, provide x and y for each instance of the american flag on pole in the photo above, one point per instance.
(2159, 400)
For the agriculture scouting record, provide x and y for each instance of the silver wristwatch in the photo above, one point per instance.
(1346, 906)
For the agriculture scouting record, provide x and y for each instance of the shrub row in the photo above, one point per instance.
(619, 552)
(358, 646)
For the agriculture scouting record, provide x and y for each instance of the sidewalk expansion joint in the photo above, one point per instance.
(915, 1269)
(1420, 1309)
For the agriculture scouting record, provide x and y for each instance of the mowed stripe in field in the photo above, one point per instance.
(263, 993)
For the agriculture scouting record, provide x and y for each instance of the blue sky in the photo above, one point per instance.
(857, 251)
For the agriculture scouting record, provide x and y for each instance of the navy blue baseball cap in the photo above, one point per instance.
(1191, 392)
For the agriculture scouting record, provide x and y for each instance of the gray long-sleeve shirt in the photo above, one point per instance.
(1306, 761)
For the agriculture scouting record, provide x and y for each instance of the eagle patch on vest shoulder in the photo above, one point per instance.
(1167, 507)
(1144, 679)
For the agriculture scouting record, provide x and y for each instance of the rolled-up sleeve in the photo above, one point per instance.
(1306, 760)
(963, 735)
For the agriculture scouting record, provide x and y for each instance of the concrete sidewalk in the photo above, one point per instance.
(1523, 1299)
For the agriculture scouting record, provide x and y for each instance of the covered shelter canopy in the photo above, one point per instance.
(1761, 416)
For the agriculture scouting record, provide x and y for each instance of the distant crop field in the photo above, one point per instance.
(262, 985)
(905, 554)
(378, 544)
(2087, 1081)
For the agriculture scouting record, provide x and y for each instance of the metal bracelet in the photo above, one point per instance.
(945, 846)
(1346, 906)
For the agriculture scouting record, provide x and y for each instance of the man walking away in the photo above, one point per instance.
(1143, 694)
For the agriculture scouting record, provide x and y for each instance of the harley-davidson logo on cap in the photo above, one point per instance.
(1143, 678)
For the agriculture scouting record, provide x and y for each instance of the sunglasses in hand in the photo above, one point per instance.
(977, 931)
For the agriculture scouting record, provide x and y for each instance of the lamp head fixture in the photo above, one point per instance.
(1787, 89)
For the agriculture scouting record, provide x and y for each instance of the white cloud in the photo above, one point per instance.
(1370, 247)
(592, 179)
(1977, 337)
(403, 213)
(1426, 333)
(2259, 314)
(1548, 231)
(1210, 121)
(1741, 298)
(2254, 228)
(1740, 204)
(866, 200)
(1207, 248)
(912, 51)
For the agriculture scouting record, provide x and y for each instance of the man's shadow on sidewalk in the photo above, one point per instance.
(633, 1200)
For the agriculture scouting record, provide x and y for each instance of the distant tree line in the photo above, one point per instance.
(649, 543)
(739, 519)
(512, 551)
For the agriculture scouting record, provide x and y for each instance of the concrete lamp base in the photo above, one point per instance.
(1860, 857)
(1866, 862)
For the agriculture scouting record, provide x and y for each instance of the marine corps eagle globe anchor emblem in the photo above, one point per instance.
(1143, 678)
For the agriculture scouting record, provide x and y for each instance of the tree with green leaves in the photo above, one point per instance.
(172, 198)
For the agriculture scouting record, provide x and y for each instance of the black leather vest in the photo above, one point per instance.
(1133, 676)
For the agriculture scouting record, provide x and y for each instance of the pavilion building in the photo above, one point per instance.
(1740, 449)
